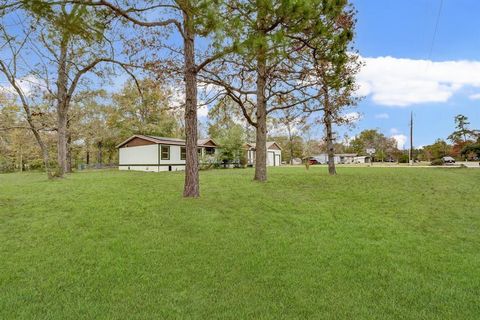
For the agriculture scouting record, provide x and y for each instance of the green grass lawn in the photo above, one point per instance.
(370, 243)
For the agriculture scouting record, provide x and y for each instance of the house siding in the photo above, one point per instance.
(139, 158)
(274, 157)
(148, 158)
(173, 163)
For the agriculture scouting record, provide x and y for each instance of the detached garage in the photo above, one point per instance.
(155, 154)
(274, 154)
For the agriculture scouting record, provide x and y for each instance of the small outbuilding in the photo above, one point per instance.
(362, 159)
(155, 154)
(274, 154)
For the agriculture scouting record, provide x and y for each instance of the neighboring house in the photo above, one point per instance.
(361, 159)
(274, 154)
(296, 161)
(338, 158)
(155, 154)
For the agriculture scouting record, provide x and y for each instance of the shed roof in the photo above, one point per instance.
(269, 144)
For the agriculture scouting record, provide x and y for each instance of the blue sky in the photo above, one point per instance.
(433, 76)
(408, 69)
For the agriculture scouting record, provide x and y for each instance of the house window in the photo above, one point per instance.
(210, 151)
(199, 150)
(165, 153)
(183, 153)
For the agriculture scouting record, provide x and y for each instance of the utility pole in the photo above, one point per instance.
(410, 154)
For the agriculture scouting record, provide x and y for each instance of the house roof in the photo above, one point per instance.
(207, 142)
(170, 141)
(346, 154)
(337, 155)
(269, 144)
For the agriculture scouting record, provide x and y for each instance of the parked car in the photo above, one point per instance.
(448, 160)
(313, 161)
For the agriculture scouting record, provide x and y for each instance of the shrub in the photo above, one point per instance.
(36, 164)
(437, 162)
(243, 159)
(6, 167)
(403, 158)
(207, 162)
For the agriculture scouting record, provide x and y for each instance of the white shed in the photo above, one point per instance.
(155, 154)
(274, 154)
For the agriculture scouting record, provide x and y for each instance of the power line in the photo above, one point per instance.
(435, 30)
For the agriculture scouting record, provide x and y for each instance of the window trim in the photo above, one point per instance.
(161, 152)
(209, 151)
(183, 153)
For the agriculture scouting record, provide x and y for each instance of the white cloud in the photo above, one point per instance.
(475, 96)
(382, 116)
(28, 85)
(394, 131)
(177, 100)
(403, 82)
(202, 111)
(352, 117)
(401, 140)
(209, 88)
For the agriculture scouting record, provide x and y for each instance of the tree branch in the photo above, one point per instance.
(125, 14)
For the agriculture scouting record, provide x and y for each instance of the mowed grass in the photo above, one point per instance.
(370, 243)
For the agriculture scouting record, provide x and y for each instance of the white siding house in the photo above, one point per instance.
(338, 158)
(155, 154)
(341, 158)
(274, 154)
(362, 159)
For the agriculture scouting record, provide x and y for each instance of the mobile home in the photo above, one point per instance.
(155, 154)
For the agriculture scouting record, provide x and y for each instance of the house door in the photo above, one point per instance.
(277, 160)
(270, 158)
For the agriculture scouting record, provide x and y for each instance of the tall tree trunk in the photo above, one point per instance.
(69, 150)
(62, 109)
(261, 147)
(43, 149)
(261, 140)
(290, 140)
(41, 144)
(327, 119)
(21, 160)
(191, 187)
(62, 141)
(46, 158)
(100, 154)
(31, 123)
